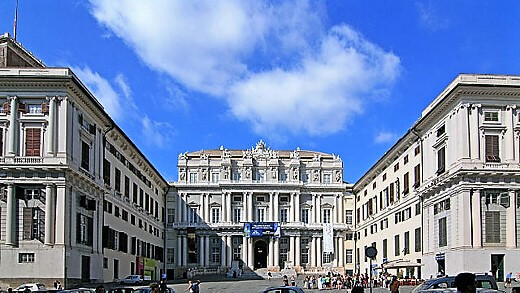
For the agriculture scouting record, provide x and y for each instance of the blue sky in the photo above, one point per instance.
(343, 77)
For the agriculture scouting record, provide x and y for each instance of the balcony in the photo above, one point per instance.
(32, 160)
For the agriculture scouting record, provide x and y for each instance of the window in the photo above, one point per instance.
(326, 215)
(492, 226)
(374, 185)
(192, 215)
(284, 248)
(384, 177)
(443, 235)
(237, 213)
(105, 262)
(193, 177)
(237, 198)
(491, 116)
(106, 172)
(406, 243)
(327, 178)
(417, 150)
(260, 214)
(304, 216)
(124, 215)
(236, 176)
(418, 239)
(350, 236)
(492, 149)
(396, 167)
(418, 208)
(32, 142)
(385, 248)
(441, 206)
(116, 211)
(85, 155)
(26, 258)
(327, 257)
(441, 130)
(34, 109)
(134, 193)
(215, 215)
(237, 247)
(417, 176)
(283, 215)
(441, 160)
(215, 250)
(33, 224)
(348, 255)
(170, 255)
(127, 187)
(406, 183)
(397, 250)
(304, 250)
(117, 178)
(84, 230)
(215, 177)
(260, 198)
(132, 220)
(171, 216)
(348, 217)
(405, 160)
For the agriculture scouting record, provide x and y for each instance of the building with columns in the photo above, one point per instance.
(79, 202)
(461, 212)
(220, 191)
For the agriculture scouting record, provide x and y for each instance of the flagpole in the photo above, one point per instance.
(15, 18)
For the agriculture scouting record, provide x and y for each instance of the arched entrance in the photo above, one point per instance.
(260, 254)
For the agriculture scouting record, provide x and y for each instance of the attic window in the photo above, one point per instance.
(441, 130)
(491, 116)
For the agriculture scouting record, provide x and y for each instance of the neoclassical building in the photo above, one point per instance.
(445, 198)
(79, 202)
(259, 208)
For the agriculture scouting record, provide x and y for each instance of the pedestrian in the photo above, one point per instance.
(269, 275)
(154, 288)
(100, 289)
(59, 286)
(394, 285)
(293, 281)
(162, 286)
(190, 287)
(465, 283)
(508, 279)
(55, 285)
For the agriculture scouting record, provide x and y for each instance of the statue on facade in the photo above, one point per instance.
(295, 173)
(338, 176)
(182, 175)
(316, 175)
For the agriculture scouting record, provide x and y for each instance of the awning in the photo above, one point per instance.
(397, 264)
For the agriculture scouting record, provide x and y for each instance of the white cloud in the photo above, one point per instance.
(102, 90)
(155, 133)
(385, 137)
(430, 16)
(272, 62)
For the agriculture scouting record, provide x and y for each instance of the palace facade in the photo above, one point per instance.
(220, 191)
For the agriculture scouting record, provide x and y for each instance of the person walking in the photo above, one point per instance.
(394, 285)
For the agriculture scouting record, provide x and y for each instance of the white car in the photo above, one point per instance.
(31, 286)
(132, 279)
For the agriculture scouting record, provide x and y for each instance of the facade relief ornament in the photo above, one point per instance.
(316, 158)
(316, 176)
(204, 174)
(204, 156)
(182, 174)
(225, 170)
(295, 173)
(295, 154)
(338, 176)
(183, 156)
(274, 174)
(248, 172)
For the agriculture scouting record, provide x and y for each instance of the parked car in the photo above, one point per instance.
(132, 280)
(31, 286)
(79, 290)
(484, 282)
(283, 289)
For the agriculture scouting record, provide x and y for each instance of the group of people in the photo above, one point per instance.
(334, 280)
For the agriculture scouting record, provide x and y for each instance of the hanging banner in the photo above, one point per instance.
(328, 238)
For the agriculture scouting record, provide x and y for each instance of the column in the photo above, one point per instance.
(341, 209)
(51, 129)
(510, 221)
(474, 131)
(290, 217)
(244, 250)
(271, 207)
(297, 252)
(206, 251)
(10, 238)
(270, 257)
(50, 213)
(179, 250)
(335, 210)
(297, 211)
(276, 194)
(185, 208)
(203, 205)
(291, 249)
(63, 208)
(223, 251)
(277, 253)
(185, 250)
(318, 209)
(341, 252)
(250, 256)
(476, 219)
(207, 202)
(509, 137)
(202, 253)
(314, 208)
(228, 207)
(313, 252)
(319, 254)
(13, 127)
(335, 246)
(250, 206)
(229, 249)
(224, 207)
(179, 208)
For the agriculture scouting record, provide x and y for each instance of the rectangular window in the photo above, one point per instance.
(26, 258)
(491, 116)
(192, 215)
(84, 230)
(171, 216)
(283, 215)
(405, 160)
(34, 108)
(492, 226)
(327, 178)
(392, 193)
(406, 183)
(170, 255)
(106, 172)
(417, 176)
(237, 215)
(396, 167)
(32, 142)
(85, 155)
(397, 250)
(237, 248)
(193, 177)
(260, 214)
(304, 250)
(348, 254)
(134, 193)
(326, 216)
(124, 215)
(443, 235)
(418, 208)
(418, 240)
(492, 149)
(348, 217)
(215, 250)
(284, 248)
(305, 216)
(117, 180)
(441, 160)
(215, 215)
(406, 243)
(215, 177)
(417, 150)
(127, 187)
(385, 248)
(441, 130)
(33, 224)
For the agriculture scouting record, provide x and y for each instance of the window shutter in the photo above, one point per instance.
(92, 129)
(492, 150)
(22, 107)
(441, 160)
(1, 141)
(6, 107)
(32, 141)
(78, 228)
(45, 108)
(492, 227)
(90, 231)
(27, 223)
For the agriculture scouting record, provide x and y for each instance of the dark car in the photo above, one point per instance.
(283, 289)
(447, 283)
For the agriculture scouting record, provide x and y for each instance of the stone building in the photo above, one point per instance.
(445, 198)
(221, 194)
(79, 202)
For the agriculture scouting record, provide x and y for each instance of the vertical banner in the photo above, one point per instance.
(328, 238)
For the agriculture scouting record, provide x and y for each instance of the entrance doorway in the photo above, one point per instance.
(260, 254)
(497, 266)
